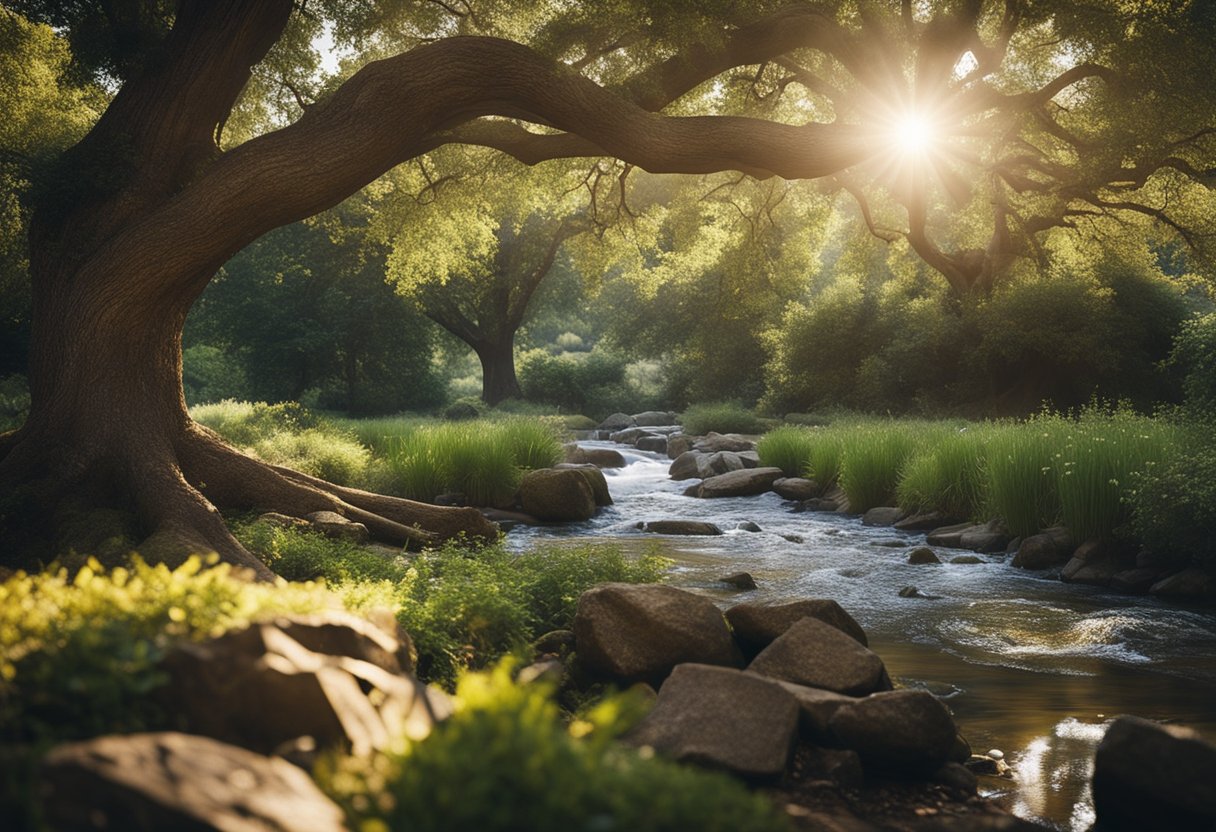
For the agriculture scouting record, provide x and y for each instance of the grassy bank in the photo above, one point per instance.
(1081, 471)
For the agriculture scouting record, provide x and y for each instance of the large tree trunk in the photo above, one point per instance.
(498, 380)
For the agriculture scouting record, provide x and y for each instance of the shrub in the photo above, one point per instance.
(506, 761)
(463, 409)
(78, 654)
(720, 417)
(1173, 504)
(246, 423)
(465, 608)
(211, 375)
(787, 448)
(326, 454)
(576, 383)
(1194, 353)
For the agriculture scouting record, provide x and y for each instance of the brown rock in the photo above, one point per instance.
(683, 527)
(922, 522)
(1041, 551)
(332, 524)
(818, 655)
(639, 632)
(756, 625)
(739, 580)
(712, 442)
(678, 444)
(796, 488)
(723, 719)
(883, 516)
(551, 494)
(815, 710)
(904, 731)
(599, 457)
(742, 483)
(685, 466)
(153, 782)
(922, 555)
(595, 478)
(1189, 584)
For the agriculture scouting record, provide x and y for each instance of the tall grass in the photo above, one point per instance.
(720, 417)
(787, 448)
(947, 476)
(480, 459)
(873, 455)
(824, 458)
(1021, 475)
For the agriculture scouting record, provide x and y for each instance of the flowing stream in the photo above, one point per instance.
(1028, 664)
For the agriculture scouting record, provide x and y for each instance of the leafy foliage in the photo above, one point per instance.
(719, 417)
(506, 761)
(1173, 503)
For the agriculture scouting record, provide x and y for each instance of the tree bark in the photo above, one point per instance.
(498, 379)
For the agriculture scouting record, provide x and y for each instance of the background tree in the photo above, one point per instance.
(147, 206)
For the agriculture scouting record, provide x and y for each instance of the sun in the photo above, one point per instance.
(913, 134)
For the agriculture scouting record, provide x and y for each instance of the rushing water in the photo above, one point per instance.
(1028, 664)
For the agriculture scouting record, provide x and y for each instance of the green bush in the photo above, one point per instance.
(505, 761)
(1194, 354)
(78, 654)
(719, 417)
(305, 555)
(211, 375)
(1173, 504)
(325, 454)
(466, 608)
(246, 423)
(575, 383)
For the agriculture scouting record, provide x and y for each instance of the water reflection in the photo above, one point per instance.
(1028, 664)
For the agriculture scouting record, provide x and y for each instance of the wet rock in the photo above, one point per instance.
(913, 592)
(677, 445)
(966, 559)
(890, 543)
(922, 522)
(747, 526)
(332, 524)
(796, 488)
(260, 688)
(599, 457)
(1151, 776)
(836, 495)
(722, 462)
(683, 527)
(987, 766)
(654, 444)
(1135, 581)
(742, 483)
(949, 537)
(556, 495)
(629, 436)
(990, 537)
(922, 555)
(903, 731)
(714, 442)
(883, 516)
(595, 479)
(654, 418)
(686, 466)
(957, 778)
(1187, 585)
(693, 490)
(818, 504)
(793, 538)
(617, 421)
(739, 580)
(147, 782)
(757, 625)
(639, 632)
(1042, 551)
(818, 655)
(723, 719)
(1096, 562)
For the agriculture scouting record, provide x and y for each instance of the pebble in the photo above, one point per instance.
(996, 754)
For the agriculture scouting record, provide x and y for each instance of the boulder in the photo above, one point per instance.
(595, 479)
(684, 527)
(913, 592)
(332, 524)
(678, 444)
(744, 483)
(722, 462)
(639, 632)
(653, 443)
(750, 459)
(557, 495)
(966, 559)
(1187, 585)
(723, 719)
(757, 625)
(796, 488)
(990, 537)
(713, 442)
(1041, 551)
(747, 526)
(1096, 562)
(260, 688)
(883, 516)
(339, 633)
(815, 710)
(949, 537)
(599, 457)
(617, 421)
(686, 466)
(1135, 581)
(151, 782)
(924, 522)
(654, 418)
(921, 555)
(739, 580)
(629, 436)
(1151, 776)
(903, 731)
(818, 655)
(836, 495)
